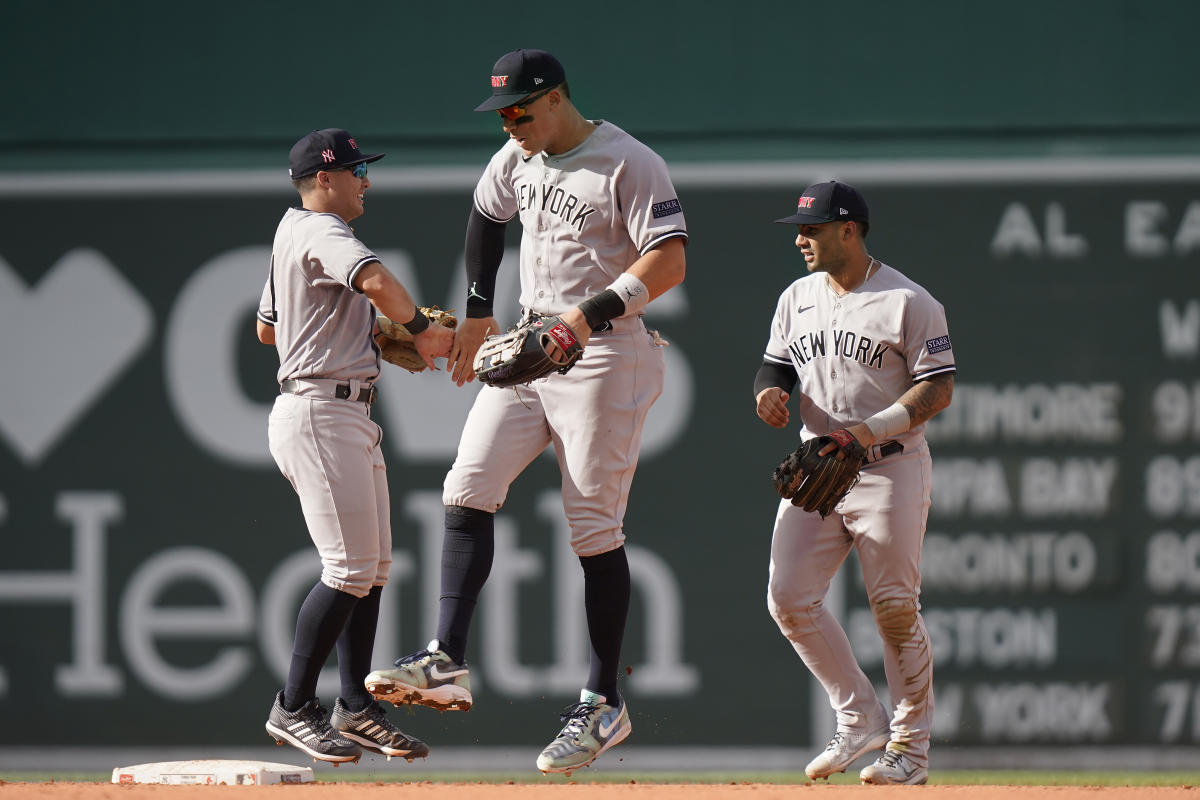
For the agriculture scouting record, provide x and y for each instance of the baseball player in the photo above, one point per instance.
(604, 234)
(318, 309)
(866, 350)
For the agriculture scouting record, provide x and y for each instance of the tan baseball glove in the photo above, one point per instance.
(396, 343)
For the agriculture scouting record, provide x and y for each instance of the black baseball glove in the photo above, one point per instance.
(523, 354)
(818, 483)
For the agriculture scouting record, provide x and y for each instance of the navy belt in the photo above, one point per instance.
(341, 391)
(890, 449)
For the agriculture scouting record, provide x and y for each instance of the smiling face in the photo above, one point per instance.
(344, 191)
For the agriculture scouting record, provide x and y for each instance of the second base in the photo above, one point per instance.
(213, 772)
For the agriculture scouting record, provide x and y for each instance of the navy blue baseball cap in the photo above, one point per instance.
(519, 74)
(331, 148)
(830, 201)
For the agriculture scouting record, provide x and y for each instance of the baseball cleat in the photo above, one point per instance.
(894, 768)
(592, 727)
(844, 749)
(308, 729)
(372, 730)
(427, 677)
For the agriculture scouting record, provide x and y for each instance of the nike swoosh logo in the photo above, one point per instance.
(802, 309)
(606, 731)
(437, 674)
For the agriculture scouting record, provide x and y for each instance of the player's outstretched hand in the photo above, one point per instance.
(434, 342)
(467, 338)
(771, 405)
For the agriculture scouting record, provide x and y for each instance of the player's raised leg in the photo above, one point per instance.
(427, 677)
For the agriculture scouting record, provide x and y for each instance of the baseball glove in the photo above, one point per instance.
(523, 353)
(818, 483)
(396, 343)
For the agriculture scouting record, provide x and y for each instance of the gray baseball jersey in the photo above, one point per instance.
(855, 354)
(322, 323)
(587, 215)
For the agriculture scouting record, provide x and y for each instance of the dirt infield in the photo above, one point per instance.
(595, 791)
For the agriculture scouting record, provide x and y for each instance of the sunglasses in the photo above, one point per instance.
(515, 112)
(358, 170)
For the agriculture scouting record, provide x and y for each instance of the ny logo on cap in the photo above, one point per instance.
(328, 156)
(806, 202)
(499, 81)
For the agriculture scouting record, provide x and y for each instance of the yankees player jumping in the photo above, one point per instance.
(318, 309)
(603, 234)
(864, 350)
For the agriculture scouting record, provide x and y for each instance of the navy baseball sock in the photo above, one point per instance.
(355, 647)
(468, 548)
(320, 622)
(606, 590)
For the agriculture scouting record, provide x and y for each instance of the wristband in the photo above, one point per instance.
(632, 292)
(890, 422)
(602, 307)
(417, 324)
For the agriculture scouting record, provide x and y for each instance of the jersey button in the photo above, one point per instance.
(833, 373)
(835, 408)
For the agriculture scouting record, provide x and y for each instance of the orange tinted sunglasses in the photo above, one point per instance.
(517, 110)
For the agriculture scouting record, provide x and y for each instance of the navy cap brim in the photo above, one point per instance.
(365, 159)
(498, 101)
(805, 219)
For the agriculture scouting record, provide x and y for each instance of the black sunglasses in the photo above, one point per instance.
(517, 110)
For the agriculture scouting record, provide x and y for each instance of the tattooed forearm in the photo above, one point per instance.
(928, 397)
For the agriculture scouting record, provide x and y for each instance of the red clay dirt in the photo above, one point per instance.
(593, 791)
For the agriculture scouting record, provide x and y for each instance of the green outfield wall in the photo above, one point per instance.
(150, 84)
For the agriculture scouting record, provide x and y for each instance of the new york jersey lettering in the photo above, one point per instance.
(807, 348)
(846, 344)
(554, 200)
